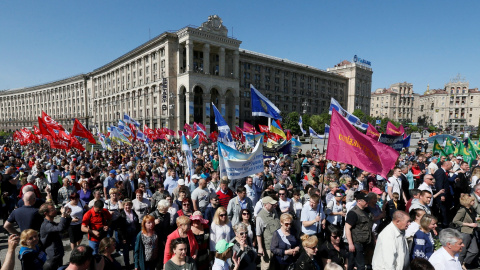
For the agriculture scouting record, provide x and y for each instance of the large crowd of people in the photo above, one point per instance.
(301, 212)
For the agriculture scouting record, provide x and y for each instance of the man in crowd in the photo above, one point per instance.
(358, 230)
(237, 204)
(251, 191)
(446, 258)
(200, 196)
(27, 216)
(395, 186)
(95, 222)
(312, 217)
(391, 249)
(224, 194)
(51, 234)
(267, 223)
(422, 202)
(212, 207)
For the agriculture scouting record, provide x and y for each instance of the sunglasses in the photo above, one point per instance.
(222, 215)
(335, 236)
(245, 214)
(313, 248)
(242, 233)
(186, 204)
(281, 194)
(287, 224)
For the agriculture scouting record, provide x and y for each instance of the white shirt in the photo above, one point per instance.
(424, 186)
(412, 229)
(441, 260)
(396, 185)
(391, 250)
(432, 167)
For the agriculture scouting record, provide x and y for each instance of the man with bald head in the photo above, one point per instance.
(391, 250)
(27, 216)
(444, 181)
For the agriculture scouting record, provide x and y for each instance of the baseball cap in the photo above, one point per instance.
(377, 191)
(269, 200)
(113, 172)
(213, 196)
(360, 196)
(181, 182)
(222, 246)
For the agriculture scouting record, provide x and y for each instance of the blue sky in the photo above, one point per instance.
(420, 42)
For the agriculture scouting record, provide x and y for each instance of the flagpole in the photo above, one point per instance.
(324, 137)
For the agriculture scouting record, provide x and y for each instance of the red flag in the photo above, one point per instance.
(36, 130)
(347, 144)
(62, 135)
(56, 144)
(187, 127)
(76, 144)
(191, 133)
(45, 129)
(202, 137)
(201, 126)
(248, 128)
(278, 123)
(180, 133)
(264, 128)
(213, 136)
(393, 130)
(372, 132)
(134, 131)
(50, 122)
(80, 131)
(289, 135)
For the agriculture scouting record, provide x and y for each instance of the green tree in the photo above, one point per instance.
(291, 122)
(317, 122)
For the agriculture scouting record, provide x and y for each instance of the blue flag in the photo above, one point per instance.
(327, 129)
(300, 123)
(130, 120)
(334, 105)
(224, 134)
(261, 106)
(313, 133)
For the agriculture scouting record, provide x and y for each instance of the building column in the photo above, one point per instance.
(180, 108)
(206, 112)
(206, 58)
(152, 92)
(189, 47)
(144, 102)
(189, 108)
(181, 68)
(236, 63)
(221, 61)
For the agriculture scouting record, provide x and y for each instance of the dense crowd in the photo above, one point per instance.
(301, 212)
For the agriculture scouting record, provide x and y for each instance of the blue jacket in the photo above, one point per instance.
(422, 246)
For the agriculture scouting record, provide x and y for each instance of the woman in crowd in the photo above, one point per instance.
(333, 187)
(306, 261)
(30, 255)
(465, 219)
(423, 245)
(162, 224)
(334, 250)
(243, 247)
(184, 232)
(221, 228)
(186, 210)
(97, 195)
(203, 239)
(475, 177)
(224, 252)
(180, 260)
(141, 205)
(122, 192)
(334, 209)
(285, 247)
(147, 193)
(128, 228)
(160, 193)
(85, 193)
(284, 203)
(172, 210)
(247, 219)
(146, 253)
(114, 206)
(75, 228)
(106, 248)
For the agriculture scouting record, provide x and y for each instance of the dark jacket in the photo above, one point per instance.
(163, 229)
(51, 238)
(128, 188)
(305, 263)
(123, 232)
(442, 182)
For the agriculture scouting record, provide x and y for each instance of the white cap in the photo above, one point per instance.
(181, 182)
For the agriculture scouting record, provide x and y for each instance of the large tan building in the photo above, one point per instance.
(174, 77)
(397, 102)
(453, 107)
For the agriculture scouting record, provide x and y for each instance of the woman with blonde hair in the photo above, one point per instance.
(306, 261)
(221, 228)
(423, 245)
(465, 219)
(475, 177)
(184, 232)
(146, 255)
(30, 255)
(106, 248)
(284, 246)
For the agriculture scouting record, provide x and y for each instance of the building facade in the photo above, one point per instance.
(175, 77)
(397, 103)
(454, 107)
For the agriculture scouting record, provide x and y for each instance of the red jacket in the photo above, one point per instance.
(192, 242)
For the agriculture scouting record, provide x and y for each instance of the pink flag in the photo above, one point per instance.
(393, 130)
(347, 144)
(202, 126)
(372, 132)
(180, 133)
(248, 128)
(187, 126)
